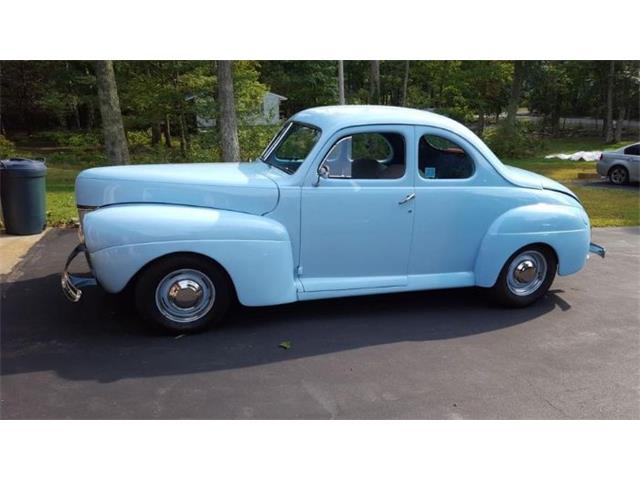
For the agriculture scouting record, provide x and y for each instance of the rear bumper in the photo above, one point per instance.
(597, 249)
(602, 168)
(72, 285)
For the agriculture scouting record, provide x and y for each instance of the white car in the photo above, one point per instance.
(620, 166)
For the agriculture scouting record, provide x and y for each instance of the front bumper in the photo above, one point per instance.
(597, 249)
(72, 284)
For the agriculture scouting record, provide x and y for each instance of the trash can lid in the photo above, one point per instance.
(24, 167)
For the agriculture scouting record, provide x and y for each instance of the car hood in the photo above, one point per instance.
(525, 178)
(242, 187)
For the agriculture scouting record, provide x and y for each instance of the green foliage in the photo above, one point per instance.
(254, 139)
(139, 138)
(7, 147)
(67, 139)
(305, 83)
(521, 143)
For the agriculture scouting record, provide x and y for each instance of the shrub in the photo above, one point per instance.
(71, 139)
(522, 142)
(139, 138)
(7, 148)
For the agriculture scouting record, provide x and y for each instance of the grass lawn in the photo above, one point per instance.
(607, 207)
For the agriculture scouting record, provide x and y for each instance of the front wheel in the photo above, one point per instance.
(183, 293)
(526, 276)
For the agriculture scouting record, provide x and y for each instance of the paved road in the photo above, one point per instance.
(445, 354)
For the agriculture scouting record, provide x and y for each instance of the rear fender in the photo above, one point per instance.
(563, 228)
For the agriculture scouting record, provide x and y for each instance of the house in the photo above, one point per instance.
(269, 113)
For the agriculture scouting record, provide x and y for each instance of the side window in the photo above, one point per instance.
(440, 158)
(378, 155)
(632, 150)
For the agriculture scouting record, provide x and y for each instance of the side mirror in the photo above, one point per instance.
(323, 172)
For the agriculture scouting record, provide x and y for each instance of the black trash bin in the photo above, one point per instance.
(22, 192)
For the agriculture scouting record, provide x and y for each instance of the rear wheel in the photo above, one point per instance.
(619, 175)
(526, 276)
(183, 293)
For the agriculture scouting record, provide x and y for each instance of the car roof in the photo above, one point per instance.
(341, 116)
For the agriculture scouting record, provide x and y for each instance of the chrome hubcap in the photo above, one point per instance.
(526, 273)
(185, 295)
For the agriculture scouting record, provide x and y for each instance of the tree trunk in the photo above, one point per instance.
(374, 83)
(155, 134)
(405, 84)
(1, 124)
(555, 118)
(76, 114)
(608, 136)
(481, 123)
(183, 135)
(167, 131)
(516, 94)
(341, 99)
(112, 127)
(90, 116)
(621, 112)
(73, 101)
(227, 113)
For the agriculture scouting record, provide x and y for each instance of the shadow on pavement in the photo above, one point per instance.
(101, 339)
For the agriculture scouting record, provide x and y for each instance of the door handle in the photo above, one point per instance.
(406, 199)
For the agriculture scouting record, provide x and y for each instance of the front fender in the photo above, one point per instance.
(254, 250)
(564, 228)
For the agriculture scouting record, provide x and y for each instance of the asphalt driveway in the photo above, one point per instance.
(443, 354)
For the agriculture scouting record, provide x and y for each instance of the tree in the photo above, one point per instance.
(306, 84)
(227, 113)
(374, 82)
(341, 100)
(516, 94)
(626, 76)
(114, 138)
(405, 83)
(608, 137)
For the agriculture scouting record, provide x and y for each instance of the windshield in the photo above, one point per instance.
(291, 146)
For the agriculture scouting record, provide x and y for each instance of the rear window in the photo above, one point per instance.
(632, 150)
(440, 158)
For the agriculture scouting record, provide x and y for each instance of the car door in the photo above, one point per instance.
(357, 217)
(458, 196)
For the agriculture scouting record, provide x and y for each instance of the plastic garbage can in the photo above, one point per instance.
(23, 196)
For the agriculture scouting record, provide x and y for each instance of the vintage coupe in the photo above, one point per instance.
(348, 200)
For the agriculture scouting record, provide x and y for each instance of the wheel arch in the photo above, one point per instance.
(133, 280)
(561, 229)
(254, 251)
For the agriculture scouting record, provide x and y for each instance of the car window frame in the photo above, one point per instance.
(279, 137)
(479, 161)
(367, 129)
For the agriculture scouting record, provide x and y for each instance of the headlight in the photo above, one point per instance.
(82, 211)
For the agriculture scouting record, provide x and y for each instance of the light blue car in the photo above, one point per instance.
(345, 200)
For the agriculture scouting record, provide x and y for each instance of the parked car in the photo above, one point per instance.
(348, 200)
(621, 166)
